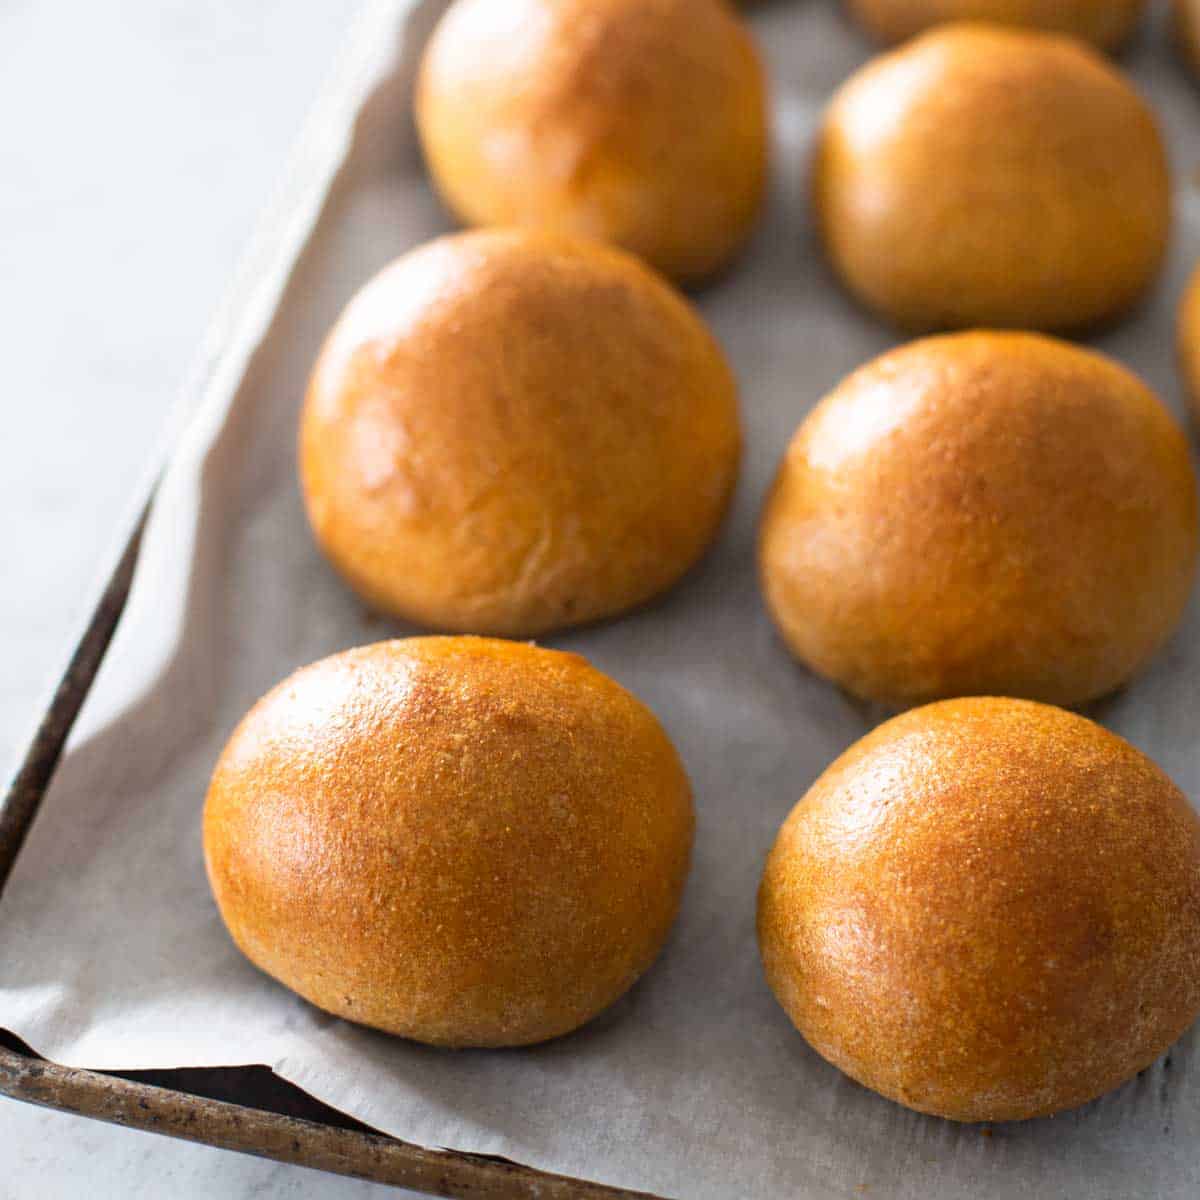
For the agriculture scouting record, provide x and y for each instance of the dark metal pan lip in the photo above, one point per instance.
(356, 1152)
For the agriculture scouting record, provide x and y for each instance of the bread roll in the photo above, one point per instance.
(1105, 23)
(981, 176)
(639, 122)
(462, 841)
(508, 432)
(987, 910)
(982, 513)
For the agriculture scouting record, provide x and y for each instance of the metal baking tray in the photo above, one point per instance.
(249, 1109)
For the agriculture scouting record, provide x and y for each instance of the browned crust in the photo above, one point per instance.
(988, 910)
(982, 513)
(508, 432)
(640, 122)
(464, 841)
(980, 176)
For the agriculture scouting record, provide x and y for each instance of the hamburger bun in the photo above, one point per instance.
(509, 432)
(637, 122)
(982, 513)
(982, 176)
(987, 910)
(462, 841)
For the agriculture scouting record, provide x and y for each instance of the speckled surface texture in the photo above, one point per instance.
(987, 909)
(696, 1084)
(1017, 181)
(643, 122)
(983, 514)
(461, 840)
(543, 424)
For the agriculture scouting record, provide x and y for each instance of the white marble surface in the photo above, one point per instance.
(138, 142)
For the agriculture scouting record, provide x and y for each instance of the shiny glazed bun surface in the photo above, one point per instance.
(987, 910)
(638, 122)
(982, 513)
(508, 432)
(982, 176)
(463, 841)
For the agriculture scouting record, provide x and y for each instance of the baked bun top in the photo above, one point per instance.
(982, 513)
(638, 122)
(983, 176)
(987, 909)
(460, 840)
(508, 432)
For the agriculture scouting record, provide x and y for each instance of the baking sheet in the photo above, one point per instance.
(695, 1085)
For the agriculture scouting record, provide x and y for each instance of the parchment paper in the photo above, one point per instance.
(111, 952)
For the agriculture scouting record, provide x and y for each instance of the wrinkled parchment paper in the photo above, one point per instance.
(695, 1085)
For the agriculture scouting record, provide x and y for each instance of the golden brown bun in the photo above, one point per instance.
(987, 910)
(982, 513)
(1187, 32)
(639, 122)
(463, 841)
(1106, 23)
(509, 432)
(981, 176)
(1188, 341)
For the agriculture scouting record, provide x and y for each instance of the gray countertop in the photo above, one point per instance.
(139, 142)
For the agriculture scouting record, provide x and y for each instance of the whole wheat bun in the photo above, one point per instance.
(1187, 334)
(1018, 180)
(987, 910)
(1105, 23)
(463, 841)
(638, 122)
(982, 513)
(509, 431)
